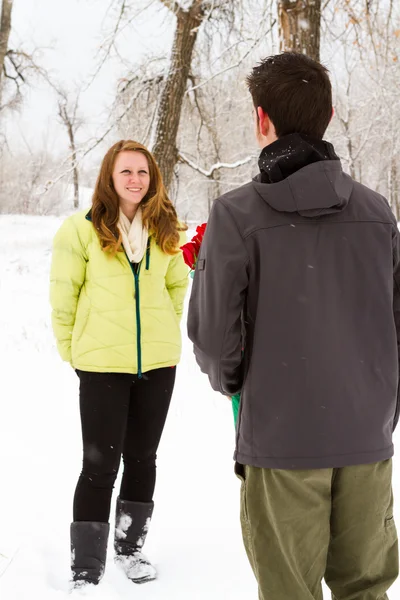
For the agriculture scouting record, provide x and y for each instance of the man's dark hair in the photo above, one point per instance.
(295, 91)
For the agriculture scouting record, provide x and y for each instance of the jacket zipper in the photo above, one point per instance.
(136, 272)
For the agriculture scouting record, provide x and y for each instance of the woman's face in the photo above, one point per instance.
(131, 177)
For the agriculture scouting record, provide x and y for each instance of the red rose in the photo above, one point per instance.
(191, 249)
(201, 229)
(198, 238)
(189, 254)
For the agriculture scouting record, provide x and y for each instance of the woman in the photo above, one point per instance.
(118, 282)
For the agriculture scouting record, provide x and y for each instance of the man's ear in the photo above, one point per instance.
(263, 121)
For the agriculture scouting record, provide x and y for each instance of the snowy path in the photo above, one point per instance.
(195, 538)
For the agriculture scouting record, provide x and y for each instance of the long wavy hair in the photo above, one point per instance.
(158, 212)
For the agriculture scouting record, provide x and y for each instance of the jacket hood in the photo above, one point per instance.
(317, 189)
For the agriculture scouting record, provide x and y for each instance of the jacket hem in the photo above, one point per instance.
(130, 371)
(315, 462)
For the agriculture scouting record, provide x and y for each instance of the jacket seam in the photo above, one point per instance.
(85, 257)
(237, 229)
(247, 235)
(396, 412)
(247, 261)
(223, 340)
(293, 195)
(325, 172)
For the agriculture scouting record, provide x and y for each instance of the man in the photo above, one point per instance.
(301, 268)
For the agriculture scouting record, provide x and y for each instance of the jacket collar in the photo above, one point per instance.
(88, 217)
(290, 153)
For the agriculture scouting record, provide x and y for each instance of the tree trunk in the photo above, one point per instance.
(394, 189)
(172, 96)
(300, 26)
(76, 183)
(74, 165)
(71, 127)
(5, 28)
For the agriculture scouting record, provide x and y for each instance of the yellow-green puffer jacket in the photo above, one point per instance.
(108, 318)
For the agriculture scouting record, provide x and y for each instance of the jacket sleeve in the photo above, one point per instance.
(177, 280)
(217, 300)
(67, 275)
(396, 309)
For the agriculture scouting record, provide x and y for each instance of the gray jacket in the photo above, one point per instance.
(304, 274)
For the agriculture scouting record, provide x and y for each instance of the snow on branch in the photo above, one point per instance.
(216, 166)
(172, 5)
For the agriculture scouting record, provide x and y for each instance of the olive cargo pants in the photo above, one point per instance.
(302, 526)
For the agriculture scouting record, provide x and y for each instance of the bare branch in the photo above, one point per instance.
(256, 41)
(110, 45)
(110, 41)
(144, 82)
(17, 67)
(200, 112)
(209, 173)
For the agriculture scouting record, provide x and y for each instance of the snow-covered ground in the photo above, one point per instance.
(195, 539)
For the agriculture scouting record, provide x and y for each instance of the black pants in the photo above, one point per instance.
(121, 415)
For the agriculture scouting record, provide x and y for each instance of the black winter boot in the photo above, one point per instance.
(132, 522)
(88, 552)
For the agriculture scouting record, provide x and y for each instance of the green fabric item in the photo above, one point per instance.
(301, 526)
(235, 407)
(96, 322)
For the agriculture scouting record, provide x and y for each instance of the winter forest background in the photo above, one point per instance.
(77, 76)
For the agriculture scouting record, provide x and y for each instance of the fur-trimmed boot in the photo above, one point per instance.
(132, 522)
(88, 552)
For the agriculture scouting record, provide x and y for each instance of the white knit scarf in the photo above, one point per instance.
(134, 235)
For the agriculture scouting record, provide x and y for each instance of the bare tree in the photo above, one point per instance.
(5, 29)
(300, 26)
(15, 64)
(361, 41)
(68, 113)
